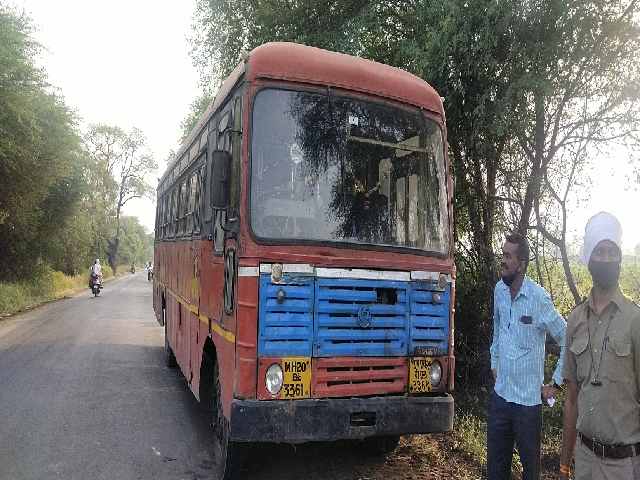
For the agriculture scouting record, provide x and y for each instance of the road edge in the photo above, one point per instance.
(65, 295)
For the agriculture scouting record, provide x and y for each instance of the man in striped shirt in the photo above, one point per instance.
(523, 314)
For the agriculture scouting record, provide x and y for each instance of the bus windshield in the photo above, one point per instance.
(332, 168)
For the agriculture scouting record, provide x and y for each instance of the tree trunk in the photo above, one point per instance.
(535, 179)
(569, 274)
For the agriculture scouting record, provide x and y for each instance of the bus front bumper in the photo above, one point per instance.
(310, 420)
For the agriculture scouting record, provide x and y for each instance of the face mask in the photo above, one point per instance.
(604, 274)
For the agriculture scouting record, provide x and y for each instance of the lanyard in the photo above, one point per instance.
(596, 382)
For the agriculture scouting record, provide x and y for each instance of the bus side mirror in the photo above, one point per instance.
(220, 176)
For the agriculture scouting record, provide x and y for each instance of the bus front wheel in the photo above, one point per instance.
(228, 454)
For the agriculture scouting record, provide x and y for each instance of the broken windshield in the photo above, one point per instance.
(340, 169)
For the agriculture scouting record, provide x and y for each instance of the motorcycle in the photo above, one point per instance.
(95, 284)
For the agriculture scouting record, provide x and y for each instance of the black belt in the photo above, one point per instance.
(610, 451)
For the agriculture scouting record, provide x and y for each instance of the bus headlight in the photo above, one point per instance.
(435, 373)
(273, 379)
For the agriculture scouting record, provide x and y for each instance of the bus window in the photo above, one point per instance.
(197, 202)
(347, 170)
(174, 213)
(236, 143)
(193, 185)
(182, 208)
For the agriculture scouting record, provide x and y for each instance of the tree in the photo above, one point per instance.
(527, 85)
(136, 245)
(196, 109)
(39, 147)
(122, 164)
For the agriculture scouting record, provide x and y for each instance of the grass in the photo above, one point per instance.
(469, 436)
(47, 285)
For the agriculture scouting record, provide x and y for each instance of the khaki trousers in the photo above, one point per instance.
(591, 467)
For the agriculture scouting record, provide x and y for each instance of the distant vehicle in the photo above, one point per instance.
(95, 284)
(133, 268)
(305, 273)
(149, 272)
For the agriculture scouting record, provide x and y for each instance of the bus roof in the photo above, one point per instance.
(300, 63)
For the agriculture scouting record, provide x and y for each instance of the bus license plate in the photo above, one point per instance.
(419, 374)
(297, 378)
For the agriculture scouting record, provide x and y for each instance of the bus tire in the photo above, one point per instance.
(169, 357)
(381, 446)
(228, 455)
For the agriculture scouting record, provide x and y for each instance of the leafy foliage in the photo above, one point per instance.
(38, 148)
(528, 87)
(60, 201)
(197, 108)
(120, 162)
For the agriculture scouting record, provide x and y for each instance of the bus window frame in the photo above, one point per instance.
(427, 114)
(221, 138)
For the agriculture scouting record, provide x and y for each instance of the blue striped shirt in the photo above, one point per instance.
(520, 328)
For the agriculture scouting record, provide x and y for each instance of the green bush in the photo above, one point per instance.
(20, 295)
(45, 285)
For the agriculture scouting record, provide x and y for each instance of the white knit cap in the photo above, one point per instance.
(602, 226)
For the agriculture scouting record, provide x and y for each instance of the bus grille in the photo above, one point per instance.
(309, 316)
(286, 316)
(429, 319)
(360, 317)
(350, 377)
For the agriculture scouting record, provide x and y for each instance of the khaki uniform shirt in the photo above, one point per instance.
(606, 347)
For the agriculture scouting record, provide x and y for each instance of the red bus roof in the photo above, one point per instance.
(300, 63)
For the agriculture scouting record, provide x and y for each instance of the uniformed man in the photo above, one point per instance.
(602, 367)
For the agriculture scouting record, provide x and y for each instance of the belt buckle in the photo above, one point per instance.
(598, 444)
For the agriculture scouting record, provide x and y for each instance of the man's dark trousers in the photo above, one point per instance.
(510, 423)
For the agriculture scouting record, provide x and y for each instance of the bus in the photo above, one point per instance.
(304, 270)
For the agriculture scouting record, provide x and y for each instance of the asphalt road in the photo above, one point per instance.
(85, 394)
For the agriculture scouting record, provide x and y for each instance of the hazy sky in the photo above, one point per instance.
(122, 63)
(127, 63)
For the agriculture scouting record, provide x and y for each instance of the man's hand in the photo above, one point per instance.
(494, 373)
(548, 391)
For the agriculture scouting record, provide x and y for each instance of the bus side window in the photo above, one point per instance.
(197, 199)
(184, 204)
(221, 136)
(206, 192)
(193, 186)
(178, 214)
(165, 215)
(174, 213)
(236, 148)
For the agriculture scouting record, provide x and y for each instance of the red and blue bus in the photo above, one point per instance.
(304, 269)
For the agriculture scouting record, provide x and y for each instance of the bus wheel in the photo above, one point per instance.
(169, 357)
(381, 445)
(228, 454)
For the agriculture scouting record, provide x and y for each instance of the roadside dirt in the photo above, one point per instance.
(423, 457)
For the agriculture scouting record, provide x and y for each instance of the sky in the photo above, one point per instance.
(127, 63)
(123, 63)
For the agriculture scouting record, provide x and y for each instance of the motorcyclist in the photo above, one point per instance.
(95, 272)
